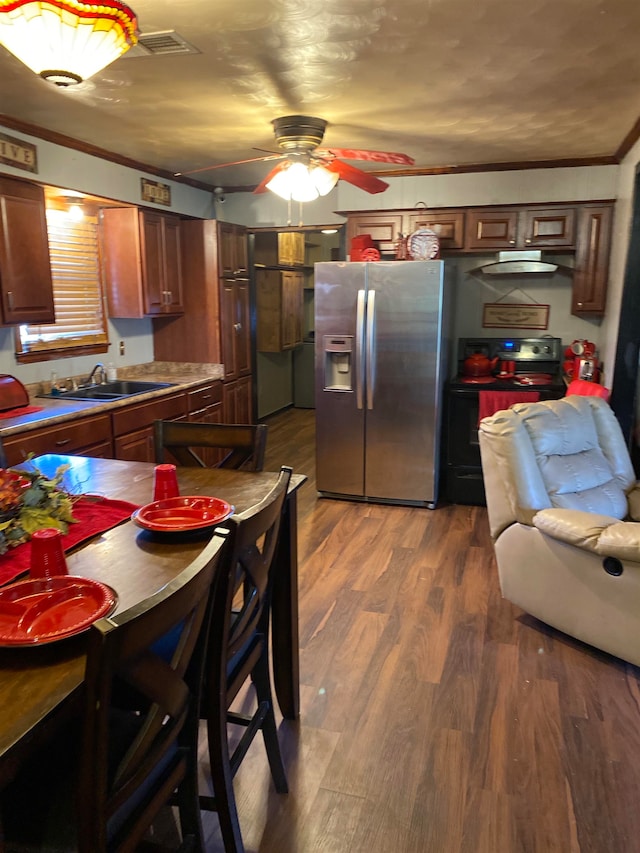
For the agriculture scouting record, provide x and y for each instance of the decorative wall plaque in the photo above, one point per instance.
(18, 153)
(500, 315)
(155, 192)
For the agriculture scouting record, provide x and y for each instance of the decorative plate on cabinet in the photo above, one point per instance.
(423, 245)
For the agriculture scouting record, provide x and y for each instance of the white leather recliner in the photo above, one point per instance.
(564, 506)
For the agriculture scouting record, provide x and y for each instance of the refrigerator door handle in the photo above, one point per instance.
(360, 348)
(371, 347)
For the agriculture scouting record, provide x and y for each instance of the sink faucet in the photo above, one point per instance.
(99, 368)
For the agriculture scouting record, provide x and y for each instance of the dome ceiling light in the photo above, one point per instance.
(65, 41)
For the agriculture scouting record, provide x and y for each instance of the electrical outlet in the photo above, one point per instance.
(121, 347)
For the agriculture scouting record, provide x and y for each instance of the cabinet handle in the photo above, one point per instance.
(62, 442)
(169, 292)
(512, 242)
(579, 304)
(10, 298)
(206, 396)
(528, 240)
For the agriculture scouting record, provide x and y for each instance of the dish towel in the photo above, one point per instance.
(23, 410)
(94, 515)
(491, 402)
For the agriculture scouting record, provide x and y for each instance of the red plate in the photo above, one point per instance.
(174, 515)
(33, 612)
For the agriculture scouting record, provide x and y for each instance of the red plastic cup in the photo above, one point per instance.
(47, 554)
(165, 482)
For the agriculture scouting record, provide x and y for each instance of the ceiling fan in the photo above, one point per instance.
(304, 170)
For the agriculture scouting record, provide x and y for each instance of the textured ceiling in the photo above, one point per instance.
(449, 82)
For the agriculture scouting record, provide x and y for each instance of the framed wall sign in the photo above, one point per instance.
(512, 315)
(155, 192)
(18, 153)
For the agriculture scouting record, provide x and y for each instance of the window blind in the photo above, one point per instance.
(77, 292)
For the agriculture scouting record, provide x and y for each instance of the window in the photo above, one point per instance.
(81, 326)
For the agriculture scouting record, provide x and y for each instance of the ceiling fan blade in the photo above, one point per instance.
(262, 186)
(236, 163)
(371, 156)
(366, 182)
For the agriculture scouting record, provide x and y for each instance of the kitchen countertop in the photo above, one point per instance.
(182, 376)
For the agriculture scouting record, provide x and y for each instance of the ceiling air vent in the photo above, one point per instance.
(160, 44)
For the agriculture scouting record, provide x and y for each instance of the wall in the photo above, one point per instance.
(69, 169)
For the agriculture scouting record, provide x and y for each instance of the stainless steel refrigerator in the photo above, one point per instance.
(380, 363)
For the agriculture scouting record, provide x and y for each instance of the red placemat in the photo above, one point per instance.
(23, 410)
(94, 515)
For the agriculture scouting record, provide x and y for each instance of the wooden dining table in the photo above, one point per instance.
(41, 685)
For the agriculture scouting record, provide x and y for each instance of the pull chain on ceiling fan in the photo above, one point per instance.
(307, 171)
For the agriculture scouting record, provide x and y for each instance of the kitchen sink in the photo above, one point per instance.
(109, 391)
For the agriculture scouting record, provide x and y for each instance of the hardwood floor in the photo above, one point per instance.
(436, 717)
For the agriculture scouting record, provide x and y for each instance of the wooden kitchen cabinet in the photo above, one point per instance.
(591, 272)
(235, 327)
(204, 406)
(520, 228)
(279, 248)
(237, 401)
(216, 324)
(279, 304)
(89, 436)
(448, 225)
(384, 227)
(26, 288)
(142, 262)
(133, 426)
(232, 249)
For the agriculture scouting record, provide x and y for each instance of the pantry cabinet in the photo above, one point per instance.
(215, 326)
(26, 288)
(280, 306)
(142, 262)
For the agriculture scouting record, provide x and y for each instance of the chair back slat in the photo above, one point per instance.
(192, 443)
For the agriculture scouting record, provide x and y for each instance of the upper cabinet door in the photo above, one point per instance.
(549, 227)
(143, 273)
(26, 288)
(491, 229)
(448, 225)
(384, 229)
(232, 249)
(173, 302)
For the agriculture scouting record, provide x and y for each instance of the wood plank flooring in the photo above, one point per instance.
(436, 717)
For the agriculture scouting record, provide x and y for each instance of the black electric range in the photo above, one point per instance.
(537, 368)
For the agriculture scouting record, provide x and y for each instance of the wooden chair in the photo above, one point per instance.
(138, 749)
(241, 445)
(238, 650)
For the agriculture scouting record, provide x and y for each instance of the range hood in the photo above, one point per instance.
(520, 263)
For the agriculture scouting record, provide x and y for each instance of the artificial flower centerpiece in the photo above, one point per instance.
(30, 501)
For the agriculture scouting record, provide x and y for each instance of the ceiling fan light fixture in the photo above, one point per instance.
(299, 182)
(66, 41)
(323, 179)
(294, 183)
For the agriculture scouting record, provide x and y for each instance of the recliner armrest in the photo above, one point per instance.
(633, 499)
(602, 534)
